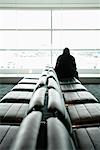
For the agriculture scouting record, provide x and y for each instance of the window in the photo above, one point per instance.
(31, 39)
(78, 30)
(25, 39)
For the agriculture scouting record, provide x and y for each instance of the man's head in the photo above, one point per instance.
(66, 51)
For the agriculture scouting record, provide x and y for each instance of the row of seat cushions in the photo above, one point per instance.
(23, 137)
(57, 137)
(14, 107)
(22, 99)
(81, 138)
(80, 114)
(58, 111)
(13, 113)
(82, 107)
(75, 93)
(85, 110)
(26, 138)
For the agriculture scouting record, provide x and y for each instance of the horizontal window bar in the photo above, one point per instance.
(15, 29)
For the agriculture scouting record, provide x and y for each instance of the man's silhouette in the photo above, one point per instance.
(66, 66)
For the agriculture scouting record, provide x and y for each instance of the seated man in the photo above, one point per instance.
(66, 66)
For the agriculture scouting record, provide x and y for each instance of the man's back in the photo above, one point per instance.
(65, 66)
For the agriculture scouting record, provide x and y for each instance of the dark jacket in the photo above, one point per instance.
(66, 66)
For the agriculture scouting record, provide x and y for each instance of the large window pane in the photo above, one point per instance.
(24, 39)
(34, 19)
(76, 39)
(31, 39)
(76, 19)
(8, 19)
(25, 19)
(23, 61)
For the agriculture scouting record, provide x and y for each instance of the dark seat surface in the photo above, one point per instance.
(69, 81)
(79, 97)
(24, 87)
(7, 135)
(82, 114)
(28, 81)
(73, 87)
(87, 138)
(17, 97)
(12, 113)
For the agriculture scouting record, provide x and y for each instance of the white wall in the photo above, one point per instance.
(50, 3)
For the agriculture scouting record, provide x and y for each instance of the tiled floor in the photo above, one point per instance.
(5, 88)
(94, 89)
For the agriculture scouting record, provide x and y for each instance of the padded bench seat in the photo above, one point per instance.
(79, 97)
(57, 108)
(58, 137)
(7, 136)
(24, 87)
(84, 114)
(70, 81)
(87, 138)
(53, 84)
(12, 113)
(73, 88)
(28, 81)
(51, 74)
(27, 136)
(17, 97)
(38, 99)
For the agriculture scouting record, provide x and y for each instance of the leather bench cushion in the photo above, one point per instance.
(26, 138)
(7, 135)
(57, 107)
(79, 97)
(17, 97)
(87, 138)
(70, 81)
(28, 81)
(38, 98)
(73, 87)
(41, 82)
(12, 113)
(53, 84)
(24, 87)
(55, 101)
(82, 138)
(84, 114)
(52, 75)
(58, 137)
